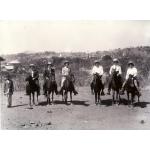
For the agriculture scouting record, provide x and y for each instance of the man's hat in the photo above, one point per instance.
(96, 61)
(49, 63)
(130, 63)
(115, 60)
(66, 61)
(32, 65)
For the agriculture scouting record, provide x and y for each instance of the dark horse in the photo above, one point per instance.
(50, 86)
(131, 89)
(97, 86)
(68, 87)
(116, 84)
(32, 87)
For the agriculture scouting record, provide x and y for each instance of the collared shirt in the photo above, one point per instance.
(66, 71)
(131, 71)
(98, 70)
(116, 68)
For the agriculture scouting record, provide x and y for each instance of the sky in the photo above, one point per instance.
(68, 36)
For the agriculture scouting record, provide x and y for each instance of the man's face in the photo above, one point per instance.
(97, 64)
(49, 66)
(67, 64)
(131, 65)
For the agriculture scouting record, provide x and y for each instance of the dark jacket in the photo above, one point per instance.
(49, 73)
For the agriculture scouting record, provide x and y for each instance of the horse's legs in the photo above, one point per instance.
(128, 98)
(99, 97)
(30, 100)
(132, 99)
(113, 97)
(37, 98)
(71, 96)
(52, 96)
(95, 97)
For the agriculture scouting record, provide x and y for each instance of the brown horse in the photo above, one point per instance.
(116, 84)
(131, 90)
(32, 87)
(50, 87)
(97, 86)
(67, 88)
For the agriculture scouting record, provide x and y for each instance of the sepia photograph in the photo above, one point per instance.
(75, 75)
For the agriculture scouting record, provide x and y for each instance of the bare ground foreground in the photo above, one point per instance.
(82, 114)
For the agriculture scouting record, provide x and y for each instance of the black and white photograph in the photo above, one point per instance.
(75, 75)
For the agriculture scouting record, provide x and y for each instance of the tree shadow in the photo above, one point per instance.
(19, 105)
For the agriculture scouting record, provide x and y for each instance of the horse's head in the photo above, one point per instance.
(130, 81)
(114, 73)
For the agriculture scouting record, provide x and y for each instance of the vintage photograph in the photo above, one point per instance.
(75, 75)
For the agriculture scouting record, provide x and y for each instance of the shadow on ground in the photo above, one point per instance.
(74, 102)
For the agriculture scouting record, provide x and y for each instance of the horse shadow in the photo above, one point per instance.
(141, 104)
(19, 105)
(44, 103)
(107, 102)
(83, 103)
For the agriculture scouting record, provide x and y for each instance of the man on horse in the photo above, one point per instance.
(97, 69)
(115, 67)
(131, 71)
(34, 75)
(49, 72)
(66, 72)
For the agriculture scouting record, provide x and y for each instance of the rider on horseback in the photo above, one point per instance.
(131, 71)
(34, 74)
(97, 69)
(114, 67)
(49, 72)
(66, 72)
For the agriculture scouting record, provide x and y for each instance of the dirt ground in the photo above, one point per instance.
(82, 114)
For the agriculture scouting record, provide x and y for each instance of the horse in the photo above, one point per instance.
(97, 86)
(32, 87)
(50, 89)
(116, 85)
(67, 87)
(131, 90)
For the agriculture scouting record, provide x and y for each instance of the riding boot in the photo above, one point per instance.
(74, 91)
(102, 93)
(92, 90)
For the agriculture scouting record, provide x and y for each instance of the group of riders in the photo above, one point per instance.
(49, 73)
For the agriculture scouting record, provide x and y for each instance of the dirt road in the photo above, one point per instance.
(82, 114)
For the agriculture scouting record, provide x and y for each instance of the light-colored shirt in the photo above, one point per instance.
(98, 70)
(65, 71)
(116, 68)
(131, 71)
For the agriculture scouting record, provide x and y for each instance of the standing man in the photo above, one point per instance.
(97, 69)
(8, 90)
(34, 74)
(115, 67)
(66, 71)
(49, 72)
(132, 70)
